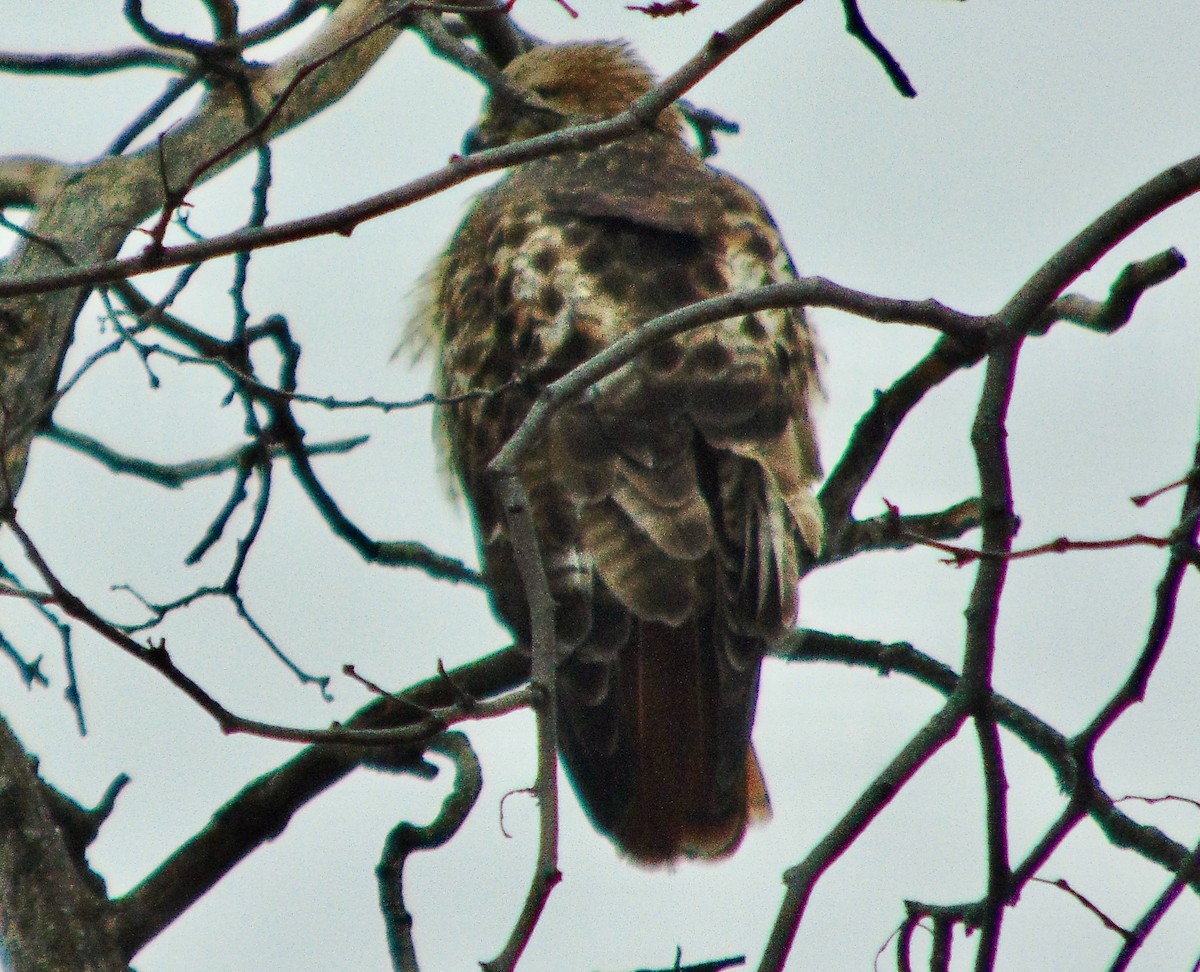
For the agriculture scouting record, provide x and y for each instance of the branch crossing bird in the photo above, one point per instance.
(673, 499)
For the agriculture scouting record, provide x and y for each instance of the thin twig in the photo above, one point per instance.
(30, 671)
(177, 474)
(898, 531)
(1133, 689)
(857, 28)
(961, 556)
(157, 657)
(1063, 885)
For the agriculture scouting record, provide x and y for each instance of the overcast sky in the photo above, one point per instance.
(1032, 118)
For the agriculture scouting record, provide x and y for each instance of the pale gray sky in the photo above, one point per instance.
(1032, 118)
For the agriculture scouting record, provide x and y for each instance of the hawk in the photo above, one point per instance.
(671, 501)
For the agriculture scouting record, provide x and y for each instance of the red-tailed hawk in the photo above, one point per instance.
(671, 499)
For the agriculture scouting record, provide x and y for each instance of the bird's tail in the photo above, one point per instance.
(671, 772)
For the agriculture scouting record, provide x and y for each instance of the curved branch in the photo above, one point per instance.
(1095, 240)
(297, 13)
(406, 838)
(262, 810)
(136, 18)
(807, 645)
(1131, 284)
(811, 291)
(879, 423)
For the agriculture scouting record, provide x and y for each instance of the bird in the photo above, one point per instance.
(673, 501)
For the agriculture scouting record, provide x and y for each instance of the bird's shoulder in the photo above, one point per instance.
(649, 180)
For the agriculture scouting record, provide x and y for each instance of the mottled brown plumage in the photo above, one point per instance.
(670, 500)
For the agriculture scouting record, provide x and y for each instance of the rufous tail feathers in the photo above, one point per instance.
(696, 780)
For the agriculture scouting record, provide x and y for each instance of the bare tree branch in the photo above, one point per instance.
(343, 220)
(959, 350)
(406, 838)
(158, 658)
(801, 879)
(84, 65)
(1136, 937)
(499, 38)
(1166, 596)
(83, 214)
(1056, 749)
(80, 826)
(892, 531)
(1063, 885)
(175, 475)
(1107, 315)
(857, 28)
(263, 809)
(30, 671)
(543, 680)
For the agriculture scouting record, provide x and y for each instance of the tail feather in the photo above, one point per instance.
(758, 801)
(690, 782)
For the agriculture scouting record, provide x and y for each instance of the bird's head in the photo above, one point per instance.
(567, 84)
